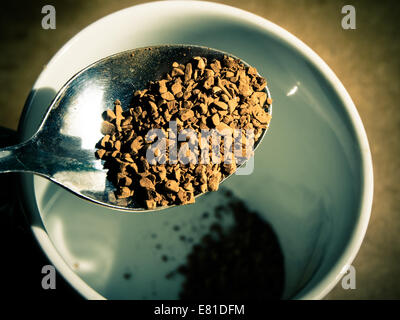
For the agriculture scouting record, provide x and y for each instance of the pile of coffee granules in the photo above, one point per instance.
(243, 262)
(222, 95)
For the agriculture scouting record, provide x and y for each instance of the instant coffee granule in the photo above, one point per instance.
(223, 95)
(243, 261)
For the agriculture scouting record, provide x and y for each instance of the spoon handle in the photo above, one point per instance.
(14, 158)
(47, 159)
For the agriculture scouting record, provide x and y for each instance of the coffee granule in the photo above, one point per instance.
(127, 275)
(223, 95)
(243, 262)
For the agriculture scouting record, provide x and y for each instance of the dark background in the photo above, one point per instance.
(366, 60)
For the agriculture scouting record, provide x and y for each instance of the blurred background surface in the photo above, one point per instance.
(366, 60)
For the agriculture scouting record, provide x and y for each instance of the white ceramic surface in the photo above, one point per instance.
(313, 173)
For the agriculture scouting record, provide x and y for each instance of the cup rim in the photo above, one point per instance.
(331, 278)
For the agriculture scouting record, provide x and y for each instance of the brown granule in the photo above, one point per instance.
(243, 262)
(223, 95)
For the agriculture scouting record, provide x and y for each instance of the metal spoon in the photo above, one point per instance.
(63, 149)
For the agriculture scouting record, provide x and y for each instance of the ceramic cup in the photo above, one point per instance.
(312, 179)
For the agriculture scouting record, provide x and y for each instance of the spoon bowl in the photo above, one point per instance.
(63, 149)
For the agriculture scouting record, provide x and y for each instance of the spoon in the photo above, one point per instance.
(63, 148)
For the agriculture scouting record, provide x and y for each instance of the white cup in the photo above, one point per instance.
(312, 180)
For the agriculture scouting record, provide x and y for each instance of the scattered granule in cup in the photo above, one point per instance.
(242, 260)
(183, 134)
